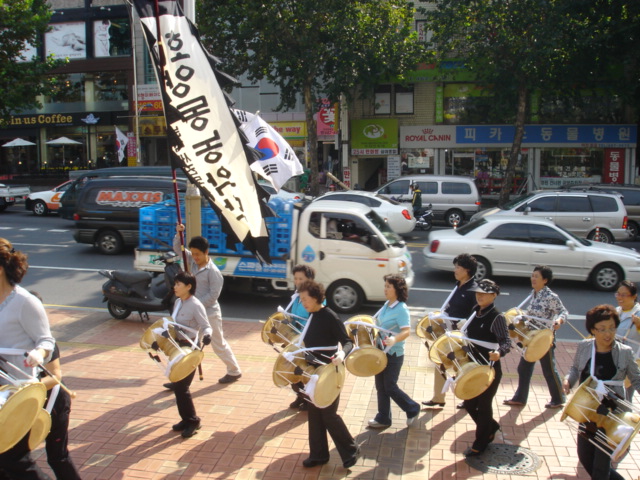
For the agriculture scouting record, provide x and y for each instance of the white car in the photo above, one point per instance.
(282, 193)
(513, 246)
(41, 203)
(398, 216)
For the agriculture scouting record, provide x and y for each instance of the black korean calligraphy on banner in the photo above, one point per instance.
(203, 134)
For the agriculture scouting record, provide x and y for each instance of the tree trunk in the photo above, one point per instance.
(505, 192)
(312, 138)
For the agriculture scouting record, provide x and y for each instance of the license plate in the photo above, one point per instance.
(11, 199)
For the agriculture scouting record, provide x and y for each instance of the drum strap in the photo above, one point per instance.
(293, 299)
(52, 398)
(446, 302)
(481, 343)
(521, 306)
(628, 314)
(601, 388)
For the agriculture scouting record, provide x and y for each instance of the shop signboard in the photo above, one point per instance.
(326, 123)
(346, 177)
(432, 136)
(291, 130)
(613, 168)
(374, 137)
(393, 167)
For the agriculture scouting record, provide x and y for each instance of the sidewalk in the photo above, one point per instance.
(121, 419)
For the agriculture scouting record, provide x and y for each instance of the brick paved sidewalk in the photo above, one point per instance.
(121, 419)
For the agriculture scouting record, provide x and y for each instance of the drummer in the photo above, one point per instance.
(301, 274)
(24, 326)
(189, 312)
(545, 304)
(488, 325)
(459, 305)
(324, 329)
(394, 316)
(629, 311)
(606, 358)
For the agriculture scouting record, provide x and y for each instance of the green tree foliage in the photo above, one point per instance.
(317, 48)
(22, 79)
(513, 46)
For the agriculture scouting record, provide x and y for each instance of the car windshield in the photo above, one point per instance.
(515, 201)
(471, 226)
(389, 235)
(386, 199)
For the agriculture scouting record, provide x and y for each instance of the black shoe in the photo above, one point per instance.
(180, 426)
(191, 430)
(229, 378)
(297, 403)
(168, 386)
(460, 406)
(496, 429)
(305, 406)
(470, 452)
(352, 461)
(433, 404)
(554, 405)
(310, 463)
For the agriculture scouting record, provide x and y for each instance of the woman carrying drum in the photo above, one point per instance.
(323, 329)
(488, 325)
(25, 327)
(628, 310)
(609, 361)
(459, 305)
(544, 304)
(189, 312)
(394, 316)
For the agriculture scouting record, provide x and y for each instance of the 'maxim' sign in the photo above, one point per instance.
(202, 132)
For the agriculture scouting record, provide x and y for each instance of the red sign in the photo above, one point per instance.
(346, 177)
(613, 168)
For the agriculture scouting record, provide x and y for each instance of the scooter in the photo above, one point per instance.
(424, 219)
(130, 290)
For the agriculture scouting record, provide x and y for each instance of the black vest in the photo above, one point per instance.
(480, 329)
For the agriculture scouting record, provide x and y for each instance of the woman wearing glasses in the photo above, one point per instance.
(606, 359)
(629, 311)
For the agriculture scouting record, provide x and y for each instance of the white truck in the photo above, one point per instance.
(9, 194)
(348, 245)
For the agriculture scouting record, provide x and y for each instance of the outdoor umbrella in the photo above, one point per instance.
(61, 142)
(18, 142)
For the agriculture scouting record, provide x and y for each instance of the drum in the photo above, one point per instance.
(325, 384)
(365, 359)
(431, 326)
(278, 330)
(534, 342)
(40, 429)
(615, 430)
(19, 408)
(290, 367)
(471, 378)
(181, 360)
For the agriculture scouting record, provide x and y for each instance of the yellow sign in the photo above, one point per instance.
(153, 127)
(291, 130)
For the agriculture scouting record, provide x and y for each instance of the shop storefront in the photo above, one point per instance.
(372, 142)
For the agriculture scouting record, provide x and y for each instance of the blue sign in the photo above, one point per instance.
(308, 255)
(541, 135)
(250, 267)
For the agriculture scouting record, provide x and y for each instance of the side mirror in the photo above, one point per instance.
(571, 244)
(527, 210)
(377, 245)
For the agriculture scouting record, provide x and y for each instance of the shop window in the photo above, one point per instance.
(66, 40)
(382, 100)
(112, 37)
(110, 86)
(403, 99)
(68, 89)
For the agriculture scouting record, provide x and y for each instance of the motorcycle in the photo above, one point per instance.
(424, 219)
(130, 290)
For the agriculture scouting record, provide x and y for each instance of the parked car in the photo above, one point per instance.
(283, 193)
(512, 246)
(454, 198)
(10, 193)
(399, 216)
(585, 214)
(630, 198)
(48, 201)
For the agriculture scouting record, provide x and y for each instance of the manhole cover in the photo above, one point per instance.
(506, 459)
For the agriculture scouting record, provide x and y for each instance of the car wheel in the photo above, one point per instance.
(633, 230)
(484, 268)
(606, 277)
(118, 312)
(109, 242)
(39, 208)
(602, 236)
(454, 217)
(345, 296)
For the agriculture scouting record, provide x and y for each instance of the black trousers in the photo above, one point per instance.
(17, 463)
(186, 409)
(323, 420)
(480, 409)
(595, 461)
(57, 441)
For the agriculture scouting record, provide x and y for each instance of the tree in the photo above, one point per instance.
(515, 47)
(320, 48)
(22, 79)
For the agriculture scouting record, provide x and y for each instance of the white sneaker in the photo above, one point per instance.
(373, 423)
(412, 420)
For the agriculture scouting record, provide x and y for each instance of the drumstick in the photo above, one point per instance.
(62, 385)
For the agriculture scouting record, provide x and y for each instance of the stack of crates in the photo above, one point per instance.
(280, 227)
(158, 225)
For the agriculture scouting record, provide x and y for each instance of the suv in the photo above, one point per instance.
(630, 198)
(585, 214)
(453, 198)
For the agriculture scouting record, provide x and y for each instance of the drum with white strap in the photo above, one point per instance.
(162, 337)
(279, 330)
(365, 359)
(431, 327)
(533, 342)
(616, 427)
(20, 405)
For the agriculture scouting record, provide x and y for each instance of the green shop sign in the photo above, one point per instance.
(374, 137)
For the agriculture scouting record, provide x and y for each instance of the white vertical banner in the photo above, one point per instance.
(202, 132)
(121, 144)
